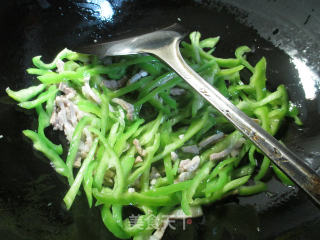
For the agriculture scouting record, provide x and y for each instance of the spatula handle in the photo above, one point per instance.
(284, 158)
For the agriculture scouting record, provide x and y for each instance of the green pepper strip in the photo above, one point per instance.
(111, 68)
(195, 43)
(88, 180)
(37, 71)
(54, 78)
(201, 175)
(52, 91)
(263, 169)
(151, 130)
(217, 186)
(44, 122)
(59, 165)
(25, 94)
(169, 100)
(223, 62)
(243, 171)
(162, 79)
(283, 178)
(251, 105)
(153, 68)
(167, 190)
(132, 87)
(254, 189)
(75, 142)
(147, 163)
(108, 159)
(134, 198)
(50, 105)
(192, 130)
(185, 206)
(122, 139)
(100, 170)
(258, 79)
(117, 214)
(39, 64)
(89, 107)
(105, 124)
(163, 87)
(252, 160)
(229, 71)
(111, 224)
(127, 161)
(240, 51)
(235, 183)
(220, 166)
(209, 42)
(112, 138)
(71, 194)
(168, 168)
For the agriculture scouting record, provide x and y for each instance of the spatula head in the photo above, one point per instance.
(144, 43)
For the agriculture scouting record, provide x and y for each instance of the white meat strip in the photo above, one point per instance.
(189, 165)
(153, 182)
(212, 139)
(174, 156)
(236, 150)
(139, 149)
(184, 176)
(227, 151)
(138, 159)
(126, 106)
(60, 65)
(222, 154)
(154, 173)
(115, 84)
(137, 76)
(187, 168)
(190, 149)
(68, 91)
(66, 116)
(77, 162)
(86, 143)
(177, 91)
(87, 91)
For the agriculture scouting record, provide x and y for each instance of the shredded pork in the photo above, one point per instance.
(138, 147)
(187, 167)
(212, 139)
(65, 117)
(128, 107)
(232, 149)
(88, 92)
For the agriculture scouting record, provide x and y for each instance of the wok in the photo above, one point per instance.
(285, 32)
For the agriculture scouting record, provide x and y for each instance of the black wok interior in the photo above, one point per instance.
(285, 32)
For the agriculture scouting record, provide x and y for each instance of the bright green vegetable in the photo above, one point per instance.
(25, 94)
(71, 194)
(139, 145)
(58, 164)
(43, 97)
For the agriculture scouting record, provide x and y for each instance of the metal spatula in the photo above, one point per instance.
(164, 44)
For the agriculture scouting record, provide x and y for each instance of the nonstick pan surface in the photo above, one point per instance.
(286, 32)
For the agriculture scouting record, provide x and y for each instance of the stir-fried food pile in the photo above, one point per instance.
(139, 136)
